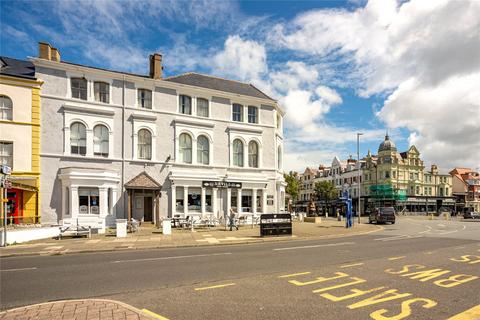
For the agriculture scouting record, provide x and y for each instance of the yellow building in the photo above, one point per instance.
(20, 138)
(400, 178)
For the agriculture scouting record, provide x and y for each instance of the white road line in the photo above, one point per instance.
(315, 246)
(403, 237)
(174, 257)
(19, 269)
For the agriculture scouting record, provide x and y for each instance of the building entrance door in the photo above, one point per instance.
(147, 209)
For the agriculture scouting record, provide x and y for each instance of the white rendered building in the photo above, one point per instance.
(120, 145)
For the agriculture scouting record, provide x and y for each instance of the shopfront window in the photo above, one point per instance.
(194, 199)
(179, 199)
(246, 202)
(233, 200)
(259, 201)
(89, 201)
(208, 200)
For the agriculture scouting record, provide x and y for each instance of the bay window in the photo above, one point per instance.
(88, 200)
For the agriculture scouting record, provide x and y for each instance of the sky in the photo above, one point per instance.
(337, 68)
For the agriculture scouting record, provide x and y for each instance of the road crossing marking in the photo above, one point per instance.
(352, 265)
(173, 257)
(315, 246)
(396, 258)
(215, 287)
(294, 274)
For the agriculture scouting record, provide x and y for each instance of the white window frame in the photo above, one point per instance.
(4, 110)
(7, 156)
(137, 90)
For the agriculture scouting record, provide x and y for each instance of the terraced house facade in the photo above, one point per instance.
(122, 145)
(20, 138)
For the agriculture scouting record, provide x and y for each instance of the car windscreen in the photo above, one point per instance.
(387, 211)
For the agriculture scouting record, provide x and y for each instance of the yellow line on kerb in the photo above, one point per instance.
(470, 314)
(352, 265)
(215, 287)
(294, 274)
(396, 258)
(153, 314)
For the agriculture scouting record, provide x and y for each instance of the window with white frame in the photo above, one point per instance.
(253, 154)
(252, 114)
(100, 140)
(144, 146)
(185, 104)
(6, 108)
(101, 91)
(78, 139)
(144, 98)
(6, 153)
(203, 150)
(194, 200)
(179, 200)
(202, 107)
(88, 200)
(237, 112)
(185, 148)
(237, 153)
(79, 88)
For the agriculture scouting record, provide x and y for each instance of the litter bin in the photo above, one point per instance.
(167, 226)
(121, 228)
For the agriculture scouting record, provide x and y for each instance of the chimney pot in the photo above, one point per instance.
(156, 67)
(44, 51)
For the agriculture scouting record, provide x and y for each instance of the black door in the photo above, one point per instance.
(147, 209)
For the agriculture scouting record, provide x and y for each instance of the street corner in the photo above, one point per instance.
(79, 309)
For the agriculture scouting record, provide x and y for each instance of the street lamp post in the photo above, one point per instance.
(358, 176)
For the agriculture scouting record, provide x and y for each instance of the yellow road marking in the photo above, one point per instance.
(396, 258)
(294, 274)
(352, 265)
(153, 314)
(215, 287)
(470, 314)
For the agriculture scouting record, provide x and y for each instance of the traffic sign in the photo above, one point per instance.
(6, 169)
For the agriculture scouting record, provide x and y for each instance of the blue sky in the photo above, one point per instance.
(336, 67)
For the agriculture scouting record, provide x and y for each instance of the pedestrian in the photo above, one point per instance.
(231, 219)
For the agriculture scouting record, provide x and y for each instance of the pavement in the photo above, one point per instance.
(149, 237)
(86, 309)
(416, 269)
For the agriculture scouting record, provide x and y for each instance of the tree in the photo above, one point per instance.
(325, 190)
(293, 185)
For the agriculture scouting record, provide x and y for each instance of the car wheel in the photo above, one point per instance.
(393, 222)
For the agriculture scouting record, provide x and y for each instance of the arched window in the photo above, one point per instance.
(279, 157)
(78, 138)
(253, 154)
(144, 144)
(203, 150)
(100, 141)
(6, 108)
(185, 144)
(237, 153)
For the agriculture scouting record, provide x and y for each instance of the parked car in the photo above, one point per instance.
(471, 215)
(382, 215)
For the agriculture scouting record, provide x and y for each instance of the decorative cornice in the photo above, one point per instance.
(88, 110)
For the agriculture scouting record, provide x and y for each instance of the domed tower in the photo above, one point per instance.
(387, 150)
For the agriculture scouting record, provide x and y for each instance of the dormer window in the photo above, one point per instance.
(79, 88)
(102, 92)
(144, 98)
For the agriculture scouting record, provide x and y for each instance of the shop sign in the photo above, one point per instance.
(221, 184)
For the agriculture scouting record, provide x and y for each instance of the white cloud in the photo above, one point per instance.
(243, 59)
(423, 55)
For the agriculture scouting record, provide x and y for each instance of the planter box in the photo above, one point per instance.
(313, 219)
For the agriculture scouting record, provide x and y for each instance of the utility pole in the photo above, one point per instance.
(358, 176)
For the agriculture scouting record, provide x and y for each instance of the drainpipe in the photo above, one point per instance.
(123, 146)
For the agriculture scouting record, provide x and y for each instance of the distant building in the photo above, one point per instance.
(20, 138)
(466, 188)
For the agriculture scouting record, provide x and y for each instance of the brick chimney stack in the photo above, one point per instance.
(156, 67)
(47, 52)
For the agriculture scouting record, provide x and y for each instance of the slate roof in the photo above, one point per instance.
(210, 82)
(143, 181)
(17, 68)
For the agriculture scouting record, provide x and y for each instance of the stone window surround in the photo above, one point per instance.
(245, 136)
(91, 79)
(245, 106)
(90, 117)
(194, 128)
(148, 122)
(194, 96)
(147, 87)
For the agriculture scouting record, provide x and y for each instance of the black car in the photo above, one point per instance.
(471, 215)
(382, 215)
